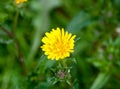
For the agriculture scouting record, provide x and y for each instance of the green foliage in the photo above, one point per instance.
(95, 62)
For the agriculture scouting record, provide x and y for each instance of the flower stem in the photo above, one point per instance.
(64, 63)
(15, 21)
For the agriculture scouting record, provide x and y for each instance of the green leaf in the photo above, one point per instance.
(101, 80)
(76, 86)
(3, 16)
(44, 64)
(81, 20)
(77, 39)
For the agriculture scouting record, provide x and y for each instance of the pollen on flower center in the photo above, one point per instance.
(60, 48)
(58, 44)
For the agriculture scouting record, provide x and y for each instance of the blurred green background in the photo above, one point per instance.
(95, 62)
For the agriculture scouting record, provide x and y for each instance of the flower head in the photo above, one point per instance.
(58, 44)
(20, 1)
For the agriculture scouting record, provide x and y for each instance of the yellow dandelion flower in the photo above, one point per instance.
(20, 1)
(58, 44)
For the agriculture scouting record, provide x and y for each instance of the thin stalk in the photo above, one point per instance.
(15, 21)
(20, 56)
